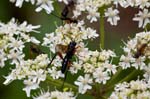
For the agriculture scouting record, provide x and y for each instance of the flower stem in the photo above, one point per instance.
(59, 83)
(114, 76)
(127, 78)
(102, 32)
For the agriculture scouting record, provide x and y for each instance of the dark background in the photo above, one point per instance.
(113, 37)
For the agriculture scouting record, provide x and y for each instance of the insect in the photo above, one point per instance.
(67, 8)
(64, 14)
(69, 54)
(35, 50)
(66, 11)
(140, 50)
(69, 50)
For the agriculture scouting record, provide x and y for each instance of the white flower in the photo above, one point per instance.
(2, 58)
(122, 3)
(34, 40)
(46, 5)
(91, 33)
(83, 83)
(93, 14)
(142, 3)
(113, 96)
(121, 86)
(75, 67)
(43, 95)
(16, 44)
(139, 62)
(41, 61)
(143, 18)
(55, 95)
(65, 1)
(112, 15)
(138, 89)
(32, 1)
(18, 2)
(10, 28)
(100, 75)
(61, 95)
(110, 67)
(54, 73)
(131, 44)
(15, 74)
(15, 56)
(24, 27)
(29, 86)
(138, 85)
(147, 72)
(125, 61)
(132, 3)
(9, 78)
(38, 76)
(105, 55)
(88, 68)
(65, 34)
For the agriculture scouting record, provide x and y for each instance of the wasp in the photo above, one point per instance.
(67, 8)
(69, 50)
(69, 54)
(140, 50)
(64, 14)
(66, 11)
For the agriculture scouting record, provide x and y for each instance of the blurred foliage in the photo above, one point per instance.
(113, 40)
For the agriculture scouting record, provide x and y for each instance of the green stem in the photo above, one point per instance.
(114, 76)
(102, 32)
(59, 83)
(127, 78)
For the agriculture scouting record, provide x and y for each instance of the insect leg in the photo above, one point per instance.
(59, 54)
(64, 79)
(52, 60)
(69, 63)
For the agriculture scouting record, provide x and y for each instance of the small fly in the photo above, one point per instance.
(141, 48)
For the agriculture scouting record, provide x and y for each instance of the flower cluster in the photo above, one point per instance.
(32, 72)
(132, 3)
(138, 89)
(55, 95)
(97, 67)
(13, 36)
(147, 72)
(63, 36)
(136, 51)
(92, 9)
(69, 32)
(112, 15)
(41, 4)
(143, 16)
